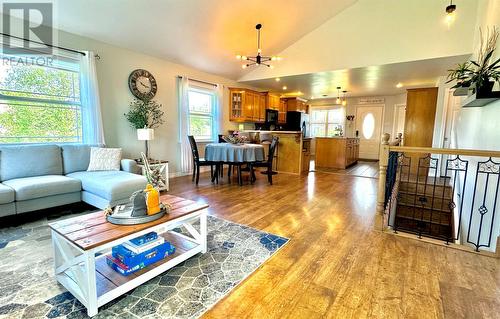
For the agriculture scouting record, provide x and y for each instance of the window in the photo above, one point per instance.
(327, 122)
(40, 103)
(202, 114)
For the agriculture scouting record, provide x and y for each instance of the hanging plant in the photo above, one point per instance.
(482, 73)
(144, 114)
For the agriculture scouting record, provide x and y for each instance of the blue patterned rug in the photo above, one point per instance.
(29, 290)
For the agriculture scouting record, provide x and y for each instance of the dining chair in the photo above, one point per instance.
(221, 167)
(198, 162)
(268, 164)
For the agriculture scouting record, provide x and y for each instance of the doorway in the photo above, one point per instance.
(369, 130)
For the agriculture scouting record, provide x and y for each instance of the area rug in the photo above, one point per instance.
(29, 290)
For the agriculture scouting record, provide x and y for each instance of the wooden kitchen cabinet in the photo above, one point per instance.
(296, 104)
(273, 101)
(336, 152)
(246, 105)
(282, 109)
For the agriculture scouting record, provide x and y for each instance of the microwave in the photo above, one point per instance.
(271, 116)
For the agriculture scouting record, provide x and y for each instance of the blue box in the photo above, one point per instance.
(144, 239)
(131, 259)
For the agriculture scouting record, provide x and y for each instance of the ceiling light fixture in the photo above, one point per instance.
(277, 79)
(258, 59)
(338, 101)
(284, 87)
(344, 99)
(450, 13)
(399, 85)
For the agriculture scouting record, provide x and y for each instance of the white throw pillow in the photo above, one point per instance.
(105, 159)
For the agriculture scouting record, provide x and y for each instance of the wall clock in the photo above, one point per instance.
(142, 84)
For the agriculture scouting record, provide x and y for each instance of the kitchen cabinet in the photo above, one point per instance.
(246, 105)
(296, 104)
(336, 152)
(273, 101)
(282, 109)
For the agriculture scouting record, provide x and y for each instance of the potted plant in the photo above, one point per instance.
(145, 116)
(482, 73)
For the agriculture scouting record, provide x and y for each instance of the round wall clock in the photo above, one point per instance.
(142, 84)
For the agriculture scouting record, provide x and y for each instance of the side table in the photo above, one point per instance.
(162, 167)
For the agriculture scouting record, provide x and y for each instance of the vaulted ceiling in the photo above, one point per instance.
(364, 46)
(204, 34)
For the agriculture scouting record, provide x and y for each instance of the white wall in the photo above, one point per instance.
(477, 128)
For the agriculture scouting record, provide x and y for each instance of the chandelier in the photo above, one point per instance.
(258, 59)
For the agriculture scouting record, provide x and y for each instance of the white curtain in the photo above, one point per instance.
(183, 105)
(219, 98)
(93, 132)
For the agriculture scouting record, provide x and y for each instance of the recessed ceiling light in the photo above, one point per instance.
(325, 95)
(399, 85)
(284, 87)
(277, 79)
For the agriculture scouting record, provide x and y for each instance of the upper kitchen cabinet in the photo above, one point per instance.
(246, 105)
(273, 101)
(296, 104)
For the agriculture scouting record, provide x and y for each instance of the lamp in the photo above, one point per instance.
(146, 134)
(450, 13)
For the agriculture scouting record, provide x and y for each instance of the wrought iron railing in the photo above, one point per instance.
(445, 194)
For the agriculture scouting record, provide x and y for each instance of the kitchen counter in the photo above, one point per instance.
(336, 152)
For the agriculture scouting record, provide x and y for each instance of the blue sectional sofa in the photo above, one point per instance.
(34, 177)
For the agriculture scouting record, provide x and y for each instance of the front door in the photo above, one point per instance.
(369, 128)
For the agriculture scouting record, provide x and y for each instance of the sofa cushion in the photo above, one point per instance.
(111, 185)
(7, 194)
(18, 161)
(43, 186)
(76, 157)
(105, 159)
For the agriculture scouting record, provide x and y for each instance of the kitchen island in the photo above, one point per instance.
(336, 152)
(293, 151)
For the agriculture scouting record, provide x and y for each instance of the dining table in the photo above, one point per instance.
(234, 154)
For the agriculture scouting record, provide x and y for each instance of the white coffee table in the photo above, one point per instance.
(82, 243)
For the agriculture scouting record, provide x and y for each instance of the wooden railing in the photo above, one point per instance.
(443, 194)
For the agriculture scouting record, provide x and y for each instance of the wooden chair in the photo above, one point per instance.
(198, 162)
(268, 164)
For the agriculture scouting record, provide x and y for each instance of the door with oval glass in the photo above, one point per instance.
(369, 128)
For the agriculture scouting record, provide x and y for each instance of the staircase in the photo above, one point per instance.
(425, 207)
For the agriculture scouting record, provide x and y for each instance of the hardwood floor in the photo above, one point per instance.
(335, 265)
(361, 169)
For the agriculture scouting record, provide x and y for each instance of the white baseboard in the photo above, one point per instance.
(179, 174)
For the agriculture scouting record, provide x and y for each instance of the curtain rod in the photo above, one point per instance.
(199, 81)
(48, 45)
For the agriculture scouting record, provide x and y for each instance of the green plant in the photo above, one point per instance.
(481, 71)
(144, 114)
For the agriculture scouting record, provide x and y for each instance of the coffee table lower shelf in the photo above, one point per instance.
(111, 284)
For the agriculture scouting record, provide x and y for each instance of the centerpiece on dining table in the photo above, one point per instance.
(235, 139)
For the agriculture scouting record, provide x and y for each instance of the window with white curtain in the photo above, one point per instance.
(202, 110)
(40, 103)
(327, 122)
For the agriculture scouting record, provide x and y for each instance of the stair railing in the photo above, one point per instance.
(446, 194)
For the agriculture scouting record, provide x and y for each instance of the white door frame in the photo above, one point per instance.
(394, 120)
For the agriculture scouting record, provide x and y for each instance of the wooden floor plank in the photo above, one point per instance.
(336, 265)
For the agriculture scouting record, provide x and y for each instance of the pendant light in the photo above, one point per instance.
(344, 99)
(338, 100)
(258, 59)
(450, 13)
